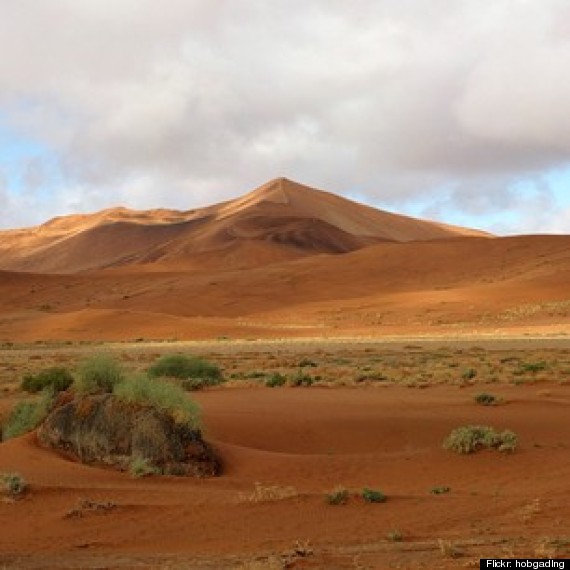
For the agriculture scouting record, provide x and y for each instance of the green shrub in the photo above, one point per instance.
(486, 399)
(59, 379)
(97, 374)
(27, 415)
(142, 467)
(276, 380)
(468, 439)
(301, 379)
(196, 371)
(469, 374)
(160, 394)
(13, 484)
(338, 496)
(373, 496)
(307, 362)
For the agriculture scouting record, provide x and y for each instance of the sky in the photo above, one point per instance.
(454, 110)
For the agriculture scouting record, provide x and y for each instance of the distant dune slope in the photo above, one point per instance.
(279, 221)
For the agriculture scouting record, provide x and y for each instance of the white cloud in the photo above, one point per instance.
(193, 101)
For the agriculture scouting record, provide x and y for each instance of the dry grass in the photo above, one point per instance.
(268, 493)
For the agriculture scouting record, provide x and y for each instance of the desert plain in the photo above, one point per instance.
(399, 325)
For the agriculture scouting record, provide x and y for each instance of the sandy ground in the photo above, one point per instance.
(296, 445)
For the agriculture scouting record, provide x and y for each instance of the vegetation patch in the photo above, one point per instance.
(27, 415)
(161, 395)
(338, 496)
(373, 496)
(469, 439)
(195, 372)
(98, 374)
(12, 484)
(57, 378)
(276, 380)
(485, 399)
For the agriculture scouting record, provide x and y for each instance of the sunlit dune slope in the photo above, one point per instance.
(279, 221)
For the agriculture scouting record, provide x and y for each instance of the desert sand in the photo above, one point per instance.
(392, 309)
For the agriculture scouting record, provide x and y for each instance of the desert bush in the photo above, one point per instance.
(160, 394)
(141, 467)
(59, 379)
(469, 374)
(373, 496)
(196, 372)
(275, 380)
(301, 379)
(97, 374)
(395, 535)
(484, 399)
(268, 493)
(468, 439)
(13, 484)
(338, 496)
(27, 415)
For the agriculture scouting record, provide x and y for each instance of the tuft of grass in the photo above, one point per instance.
(395, 535)
(162, 395)
(338, 496)
(276, 380)
(468, 439)
(13, 484)
(194, 371)
(27, 415)
(57, 378)
(141, 467)
(100, 373)
(373, 496)
(484, 399)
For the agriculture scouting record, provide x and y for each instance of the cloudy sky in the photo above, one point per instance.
(449, 109)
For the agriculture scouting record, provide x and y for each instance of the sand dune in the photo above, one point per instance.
(282, 220)
(284, 260)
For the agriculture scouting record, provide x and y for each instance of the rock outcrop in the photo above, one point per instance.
(103, 429)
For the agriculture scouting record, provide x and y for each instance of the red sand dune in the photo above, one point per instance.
(284, 260)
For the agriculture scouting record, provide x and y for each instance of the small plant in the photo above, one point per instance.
(59, 379)
(448, 549)
(160, 394)
(468, 439)
(301, 379)
(27, 415)
(13, 484)
(373, 496)
(276, 380)
(186, 367)
(532, 367)
(439, 490)
(395, 535)
(484, 399)
(307, 362)
(100, 373)
(469, 374)
(338, 496)
(141, 467)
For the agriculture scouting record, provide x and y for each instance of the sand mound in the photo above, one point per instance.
(103, 429)
(283, 218)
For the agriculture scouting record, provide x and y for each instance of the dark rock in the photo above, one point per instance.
(105, 429)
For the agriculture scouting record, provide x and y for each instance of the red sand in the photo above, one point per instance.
(385, 438)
